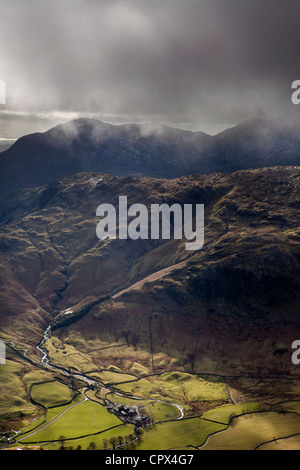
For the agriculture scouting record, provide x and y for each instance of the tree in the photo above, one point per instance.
(105, 443)
(113, 442)
(62, 440)
(138, 432)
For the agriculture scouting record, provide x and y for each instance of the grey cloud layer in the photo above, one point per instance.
(176, 60)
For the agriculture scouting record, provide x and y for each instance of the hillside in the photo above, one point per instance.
(229, 307)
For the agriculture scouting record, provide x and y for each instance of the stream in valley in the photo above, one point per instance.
(45, 363)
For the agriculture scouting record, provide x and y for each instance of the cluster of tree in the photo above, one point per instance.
(129, 440)
(65, 320)
(113, 442)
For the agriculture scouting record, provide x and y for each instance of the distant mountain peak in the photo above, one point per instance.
(149, 149)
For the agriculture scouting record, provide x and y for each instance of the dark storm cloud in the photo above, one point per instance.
(196, 61)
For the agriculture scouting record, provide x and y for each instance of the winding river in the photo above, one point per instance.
(45, 362)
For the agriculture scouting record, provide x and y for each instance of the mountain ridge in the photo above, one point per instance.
(154, 150)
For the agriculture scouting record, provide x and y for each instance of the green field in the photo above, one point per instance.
(250, 430)
(85, 418)
(224, 413)
(112, 377)
(64, 355)
(179, 386)
(178, 434)
(36, 376)
(102, 430)
(14, 397)
(49, 394)
(104, 440)
(53, 413)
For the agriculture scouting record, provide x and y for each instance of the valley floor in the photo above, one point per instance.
(139, 410)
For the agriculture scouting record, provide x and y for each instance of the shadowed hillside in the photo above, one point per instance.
(232, 305)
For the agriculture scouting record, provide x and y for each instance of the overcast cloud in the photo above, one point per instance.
(201, 64)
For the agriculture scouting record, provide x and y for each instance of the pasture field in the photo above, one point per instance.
(250, 430)
(179, 434)
(36, 376)
(83, 419)
(49, 394)
(60, 416)
(178, 386)
(113, 377)
(190, 387)
(51, 414)
(224, 413)
(289, 443)
(14, 397)
(65, 355)
(103, 440)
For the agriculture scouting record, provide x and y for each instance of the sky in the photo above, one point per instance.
(195, 64)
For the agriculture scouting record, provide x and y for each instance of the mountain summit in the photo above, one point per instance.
(154, 150)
